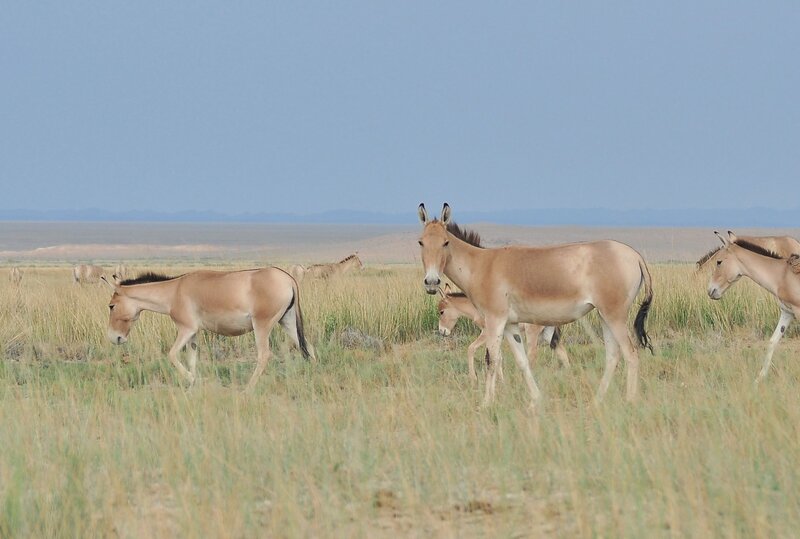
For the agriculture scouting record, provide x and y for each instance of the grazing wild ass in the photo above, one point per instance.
(779, 276)
(454, 305)
(323, 271)
(783, 246)
(15, 275)
(87, 273)
(224, 302)
(547, 286)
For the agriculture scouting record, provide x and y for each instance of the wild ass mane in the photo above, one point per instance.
(757, 249)
(706, 257)
(464, 234)
(148, 277)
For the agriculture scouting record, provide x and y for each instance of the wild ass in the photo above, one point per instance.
(15, 276)
(228, 303)
(454, 305)
(779, 276)
(323, 271)
(87, 273)
(548, 286)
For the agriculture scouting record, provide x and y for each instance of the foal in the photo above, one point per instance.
(454, 305)
(224, 302)
(779, 276)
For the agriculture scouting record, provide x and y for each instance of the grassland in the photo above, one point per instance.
(384, 435)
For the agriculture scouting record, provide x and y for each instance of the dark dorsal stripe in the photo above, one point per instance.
(148, 277)
(469, 236)
(456, 295)
(757, 249)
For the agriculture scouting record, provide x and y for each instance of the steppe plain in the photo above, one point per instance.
(384, 435)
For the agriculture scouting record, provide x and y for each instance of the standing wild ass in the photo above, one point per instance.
(15, 275)
(779, 276)
(228, 303)
(87, 273)
(323, 271)
(548, 286)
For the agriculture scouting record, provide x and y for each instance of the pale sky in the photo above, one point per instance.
(306, 107)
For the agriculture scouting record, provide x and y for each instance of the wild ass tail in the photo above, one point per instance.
(298, 316)
(644, 308)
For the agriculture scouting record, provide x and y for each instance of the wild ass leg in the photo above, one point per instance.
(494, 336)
(560, 350)
(587, 328)
(261, 328)
(474, 345)
(620, 331)
(514, 339)
(184, 336)
(783, 324)
(532, 334)
(612, 358)
(193, 357)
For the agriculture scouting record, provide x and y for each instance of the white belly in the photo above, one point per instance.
(227, 324)
(548, 313)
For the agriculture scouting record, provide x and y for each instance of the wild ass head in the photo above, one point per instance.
(434, 243)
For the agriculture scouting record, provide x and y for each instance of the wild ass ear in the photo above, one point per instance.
(447, 290)
(423, 213)
(722, 238)
(732, 237)
(446, 214)
(442, 292)
(103, 278)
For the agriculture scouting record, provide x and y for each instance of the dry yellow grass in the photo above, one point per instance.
(384, 436)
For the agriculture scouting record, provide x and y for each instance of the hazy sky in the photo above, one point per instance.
(311, 106)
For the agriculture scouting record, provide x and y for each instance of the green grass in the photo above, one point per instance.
(104, 441)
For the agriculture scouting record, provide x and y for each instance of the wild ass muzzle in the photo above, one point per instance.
(547, 286)
(227, 303)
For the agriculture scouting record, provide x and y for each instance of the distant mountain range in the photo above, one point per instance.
(750, 217)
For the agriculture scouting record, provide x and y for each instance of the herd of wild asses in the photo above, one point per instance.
(506, 291)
